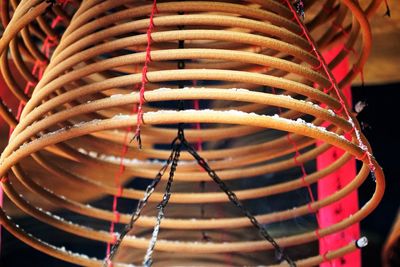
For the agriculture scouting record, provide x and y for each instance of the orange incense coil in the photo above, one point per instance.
(250, 59)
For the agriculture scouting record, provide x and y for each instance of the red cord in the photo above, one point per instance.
(117, 183)
(311, 195)
(305, 183)
(144, 72)
(332, 81)
(340, 27)
(343, 106)
(327, 90)
(139, 110)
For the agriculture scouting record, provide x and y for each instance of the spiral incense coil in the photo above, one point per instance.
(258, 80)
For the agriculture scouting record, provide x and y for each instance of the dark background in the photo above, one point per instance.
(381, 116)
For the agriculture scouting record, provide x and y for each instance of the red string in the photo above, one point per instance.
(332, 81)
(117, 183)
(309, 190)
(340, 27)
(339, 110)
(139, 110)
(56, 21)
(327, 90)
(144, 72)
(350, 132)
(305, 183)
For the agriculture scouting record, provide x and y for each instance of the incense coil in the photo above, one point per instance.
(76, 105)
(331, 16)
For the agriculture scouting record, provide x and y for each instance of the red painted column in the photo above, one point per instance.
(329, 184)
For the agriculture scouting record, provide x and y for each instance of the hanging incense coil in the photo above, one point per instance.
(332, 21)
(257, 79)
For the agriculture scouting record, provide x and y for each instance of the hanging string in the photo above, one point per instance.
(334, 85)
(136, 109)
(305, 184)
(144, 74)
(117, 183)
(139, 110)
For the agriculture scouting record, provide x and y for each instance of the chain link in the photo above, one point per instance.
(233, 198)
(140, 206)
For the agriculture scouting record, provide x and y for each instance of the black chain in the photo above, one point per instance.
(147, 262)
(140, 206)
(233, 198)
(174, 158)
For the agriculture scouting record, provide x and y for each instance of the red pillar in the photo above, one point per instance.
(336, 212)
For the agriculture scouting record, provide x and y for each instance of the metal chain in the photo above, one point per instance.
(140, 206)
(147, 261)
(174, 158)
(233, 198)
